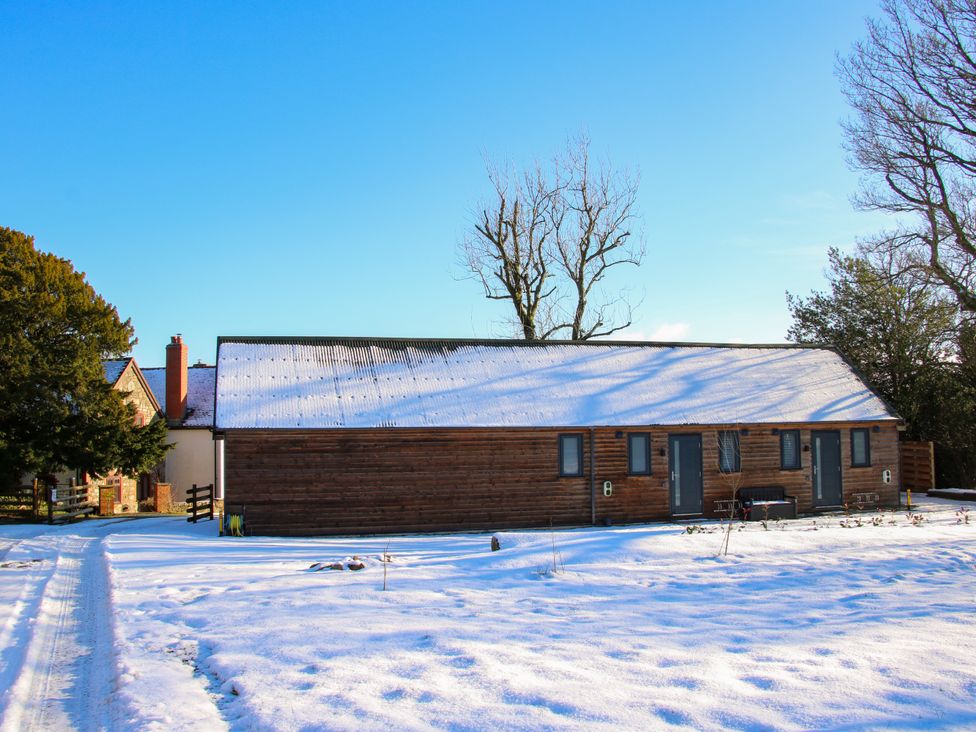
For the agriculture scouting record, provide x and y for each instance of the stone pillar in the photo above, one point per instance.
(164, 498)
(106, 500)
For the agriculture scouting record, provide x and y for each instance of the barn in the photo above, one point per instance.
(374, 435)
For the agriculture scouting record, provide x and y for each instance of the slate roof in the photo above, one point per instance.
(321, 383)
(199, 393)
(114, 368)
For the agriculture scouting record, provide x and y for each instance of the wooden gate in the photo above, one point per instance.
(917, 465)
(66, 503)
(201, 503)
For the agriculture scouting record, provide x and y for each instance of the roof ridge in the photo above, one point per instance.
(504, 342)
(191, 367)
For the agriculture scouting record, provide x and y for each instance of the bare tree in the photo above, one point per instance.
(730, 471)
(509, 249)
(592, 235)
(547, 241)
(912, 85)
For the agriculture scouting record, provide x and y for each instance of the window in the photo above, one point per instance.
(639, 453)
(570, 455)
(728, 451)
(789, 450)
(860, 448)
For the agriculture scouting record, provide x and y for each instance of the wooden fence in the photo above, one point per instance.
(917, 465)
(201, 502)
(22, 503)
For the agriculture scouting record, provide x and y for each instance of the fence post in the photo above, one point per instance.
(36, 504)
(51, 492)
(211, 501)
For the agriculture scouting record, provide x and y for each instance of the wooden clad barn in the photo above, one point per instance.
(347, 435)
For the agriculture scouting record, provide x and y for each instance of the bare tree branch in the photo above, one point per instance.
(507, 251)
(547, 241)
(912, 86)
(596, 235)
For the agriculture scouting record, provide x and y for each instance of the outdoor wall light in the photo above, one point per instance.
(806, 448)
(661, 452)
(876, 429)
(775, 431)
(619, 434)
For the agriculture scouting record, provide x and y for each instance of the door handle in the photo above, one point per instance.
(672, 476)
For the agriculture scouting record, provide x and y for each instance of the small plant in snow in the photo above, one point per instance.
(916, 519)
(877, 520)
(386, 559)
(962, 515)
(557, 557)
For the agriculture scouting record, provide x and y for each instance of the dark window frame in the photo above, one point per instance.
(578, 438)
(736, 455)
(630, 454)
(867, 448)
(782, 453)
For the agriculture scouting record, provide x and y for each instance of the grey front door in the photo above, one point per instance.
(827, 487)
(685, 465)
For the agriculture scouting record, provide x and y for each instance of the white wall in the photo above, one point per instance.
(191, 461)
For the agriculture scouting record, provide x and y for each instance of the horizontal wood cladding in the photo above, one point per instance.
(407, 480)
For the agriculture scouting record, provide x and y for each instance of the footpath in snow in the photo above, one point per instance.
(56, 645)
(832, 623)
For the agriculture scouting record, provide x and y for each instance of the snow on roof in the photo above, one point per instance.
(199, 393)
(114, 368)
(313, 383)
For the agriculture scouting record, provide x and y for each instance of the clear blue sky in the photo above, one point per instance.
(309, 168)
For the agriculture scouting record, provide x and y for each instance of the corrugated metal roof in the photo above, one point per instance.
(359, 383)
(199, 393)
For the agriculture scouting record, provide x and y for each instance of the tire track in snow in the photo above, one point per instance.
(20, 614)
(65, 679)
(6, 550)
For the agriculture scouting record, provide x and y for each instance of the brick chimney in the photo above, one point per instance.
(176, 353)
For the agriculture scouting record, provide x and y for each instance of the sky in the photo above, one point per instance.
(310, 168)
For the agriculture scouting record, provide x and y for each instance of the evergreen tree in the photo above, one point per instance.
(905, 336)
(56, 409)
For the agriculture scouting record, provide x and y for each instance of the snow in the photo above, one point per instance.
(114, 368)
(199, 393)
(809, 625)
(346, 383)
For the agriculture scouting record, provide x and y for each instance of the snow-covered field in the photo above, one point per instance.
(809, 625)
